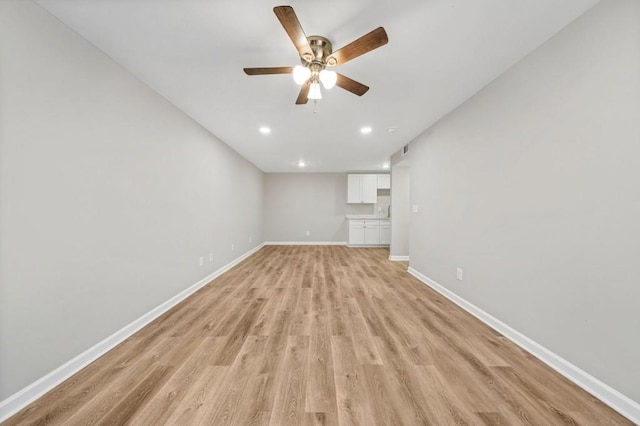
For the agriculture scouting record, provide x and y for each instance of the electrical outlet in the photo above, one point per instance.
(201, 261)
(414, 208)
(459, 274)
(308, 233)
(210, 257)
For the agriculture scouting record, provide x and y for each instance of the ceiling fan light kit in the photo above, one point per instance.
(316, 54)
(301, 74)
(314, 91)
(328, 78)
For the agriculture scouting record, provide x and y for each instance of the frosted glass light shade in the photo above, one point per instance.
(314, 91)
(301, 74)
(328, 78)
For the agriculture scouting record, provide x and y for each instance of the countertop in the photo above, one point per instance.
(366, 217)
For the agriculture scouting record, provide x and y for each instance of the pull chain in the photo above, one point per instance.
(315, 104)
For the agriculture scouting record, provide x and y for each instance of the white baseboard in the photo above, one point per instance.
(305, 243)
(614, 399)
(399, 258)
(35, 390)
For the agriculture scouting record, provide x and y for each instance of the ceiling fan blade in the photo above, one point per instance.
(302, 96)
(292, 26)
(272, 70)
(351, 85)
(364, 44)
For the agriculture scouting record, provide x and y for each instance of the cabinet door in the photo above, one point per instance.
(369, 187)
(356, 232)
(354, 183)
(385, 232)
(384, 181)
(371, 232)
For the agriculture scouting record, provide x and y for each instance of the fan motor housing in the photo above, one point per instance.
(321, 47)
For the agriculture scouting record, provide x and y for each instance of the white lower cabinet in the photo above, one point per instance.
(369, 232)
(372, 232)
(385, 232)
(356, 232)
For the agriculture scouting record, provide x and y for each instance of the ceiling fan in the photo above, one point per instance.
(316, 54)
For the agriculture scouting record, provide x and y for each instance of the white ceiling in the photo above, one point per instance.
(440, 53)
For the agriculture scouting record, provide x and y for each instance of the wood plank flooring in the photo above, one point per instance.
(317, 335)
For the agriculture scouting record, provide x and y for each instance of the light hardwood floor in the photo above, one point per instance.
(317, 335)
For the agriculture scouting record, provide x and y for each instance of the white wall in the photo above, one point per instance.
(315, 202)
(400, 217)
(381, 207)
(108, 197)
(533, 188)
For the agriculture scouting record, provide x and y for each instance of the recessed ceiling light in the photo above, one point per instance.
(392, 129)
(366, 130)
(301, 163)
(265, 130)
(385, 166)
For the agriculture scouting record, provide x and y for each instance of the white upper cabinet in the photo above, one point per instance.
(384, 181)
(362, 189)
(354, 182)
(370, 189)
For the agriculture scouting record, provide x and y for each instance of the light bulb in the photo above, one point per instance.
(314, 91)
(328, 78)
(301, 74)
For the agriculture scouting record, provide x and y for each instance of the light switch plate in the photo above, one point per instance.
(414, 208)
